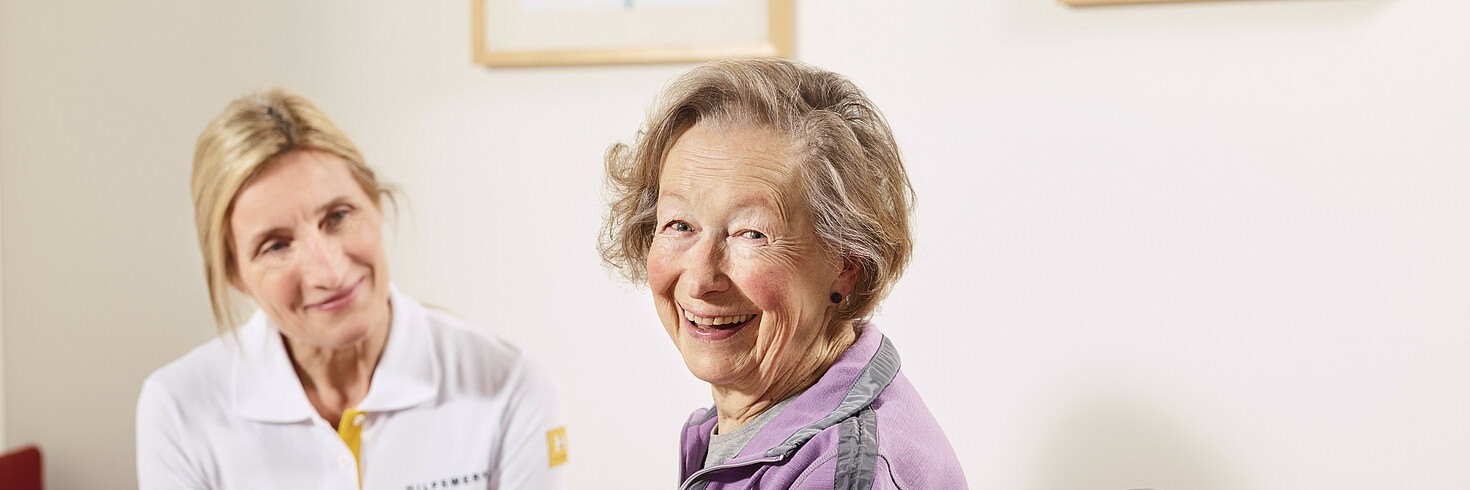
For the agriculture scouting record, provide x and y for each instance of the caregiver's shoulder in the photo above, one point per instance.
(481, 354)
(203, 375)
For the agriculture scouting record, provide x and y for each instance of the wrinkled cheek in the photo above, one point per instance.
(661, 279)
(661, 275)
(776, 293)
(768, 289)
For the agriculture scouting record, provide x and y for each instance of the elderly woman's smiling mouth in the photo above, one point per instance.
(714, 326)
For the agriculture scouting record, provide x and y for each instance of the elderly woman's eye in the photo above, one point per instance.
(681, 227)
(752, 234)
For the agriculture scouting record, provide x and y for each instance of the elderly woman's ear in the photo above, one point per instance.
(852, 269)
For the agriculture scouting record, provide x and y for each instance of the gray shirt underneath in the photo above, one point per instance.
(722, 447)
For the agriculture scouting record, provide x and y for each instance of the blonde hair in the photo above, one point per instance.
(853, 175)
(243, 140)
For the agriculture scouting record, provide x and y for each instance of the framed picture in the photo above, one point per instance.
(595, 32)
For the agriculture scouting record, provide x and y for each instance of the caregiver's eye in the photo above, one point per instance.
(273, 246)
(335, 218)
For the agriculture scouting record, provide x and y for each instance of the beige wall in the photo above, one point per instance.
(1194, 246)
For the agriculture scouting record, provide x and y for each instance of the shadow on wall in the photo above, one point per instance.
(1110, 444)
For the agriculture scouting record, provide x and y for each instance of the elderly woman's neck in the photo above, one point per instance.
(737, 405)
(337, 379)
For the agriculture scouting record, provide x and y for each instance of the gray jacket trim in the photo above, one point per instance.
(857, 451)
(869, 384)
(708, 414)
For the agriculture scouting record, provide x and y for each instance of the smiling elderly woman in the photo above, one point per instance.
(767, 208)
(339, 381)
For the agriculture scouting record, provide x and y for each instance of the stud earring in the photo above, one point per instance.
(836, 297)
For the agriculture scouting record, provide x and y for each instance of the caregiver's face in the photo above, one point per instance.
(309, 248)
(737, 275)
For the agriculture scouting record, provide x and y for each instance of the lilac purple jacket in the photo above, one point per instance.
(861, 425)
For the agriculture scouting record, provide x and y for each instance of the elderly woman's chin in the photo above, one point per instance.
(713, 365)
(715, 357)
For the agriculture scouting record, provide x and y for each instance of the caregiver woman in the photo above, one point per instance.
(765, 205)
(339, 381)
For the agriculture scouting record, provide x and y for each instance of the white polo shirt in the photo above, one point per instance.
(450, 407)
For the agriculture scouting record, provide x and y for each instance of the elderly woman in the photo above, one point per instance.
(340, 380)
(766, 206)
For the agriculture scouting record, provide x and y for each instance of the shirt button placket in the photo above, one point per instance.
(345, 461)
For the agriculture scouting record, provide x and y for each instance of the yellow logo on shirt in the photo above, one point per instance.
(556, 445)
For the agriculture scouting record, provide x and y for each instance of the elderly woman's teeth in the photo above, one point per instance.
(715, 321)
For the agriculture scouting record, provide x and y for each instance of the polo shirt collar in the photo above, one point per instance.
(408, 373)
(267, 388)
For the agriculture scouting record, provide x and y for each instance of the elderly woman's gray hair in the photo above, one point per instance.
(854, 179)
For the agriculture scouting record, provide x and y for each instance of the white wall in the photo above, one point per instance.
(1194, 246)
(3, 445)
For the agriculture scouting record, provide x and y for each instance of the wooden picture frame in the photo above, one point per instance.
(522, 33)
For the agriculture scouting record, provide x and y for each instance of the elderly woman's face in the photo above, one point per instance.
(309, 248)
(737, 274)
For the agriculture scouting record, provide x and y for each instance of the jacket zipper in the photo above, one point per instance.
(695, 477)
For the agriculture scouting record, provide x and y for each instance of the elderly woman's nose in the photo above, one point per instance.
(325, 263)
(706, 269)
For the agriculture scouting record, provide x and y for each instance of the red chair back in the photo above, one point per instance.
(21, 469)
